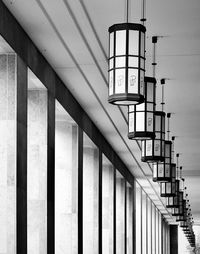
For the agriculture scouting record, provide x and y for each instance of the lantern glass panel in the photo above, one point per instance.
(132, 80)
(160, 169)
(168, 188)
(150, 122)
(120, 81)
(133, 62)
(120, 42)
(143, 148)
(156, 147)
(133, 42)
(110, 82)
(140, 107)
(142, 44)
(111, 44)
(158, 123)
(167, 170)
(149, 147)
(142, 82)
(150, 95)
(131, 122)
(120, 62)
(140, 121)
(150, 107)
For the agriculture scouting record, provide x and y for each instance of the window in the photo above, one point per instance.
(37, 166)
(7, 149)
(120, 213)
(90, 196)
(66, 183)
(107, 206)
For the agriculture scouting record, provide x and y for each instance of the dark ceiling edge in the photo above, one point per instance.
(18, 39)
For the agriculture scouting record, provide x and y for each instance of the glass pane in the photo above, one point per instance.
(107, 206)
(142, 52)
(149, 147)
(120, 62)
(149, 106)
(131, 122)
(158, 123)
(111, 44)
(140, 121)
(7, 150)
(120, 81)
(150, 122)
(149, 92)
(157, 147)
(133, 81)
(66, 183)
(37, 166)
(110, 82)
(120, 216)
(142, 82)
(140, 107)
(133, 42)
(144, 223)
(133, 62)
(120, 42)
(129, 217)
(138, 218)
(160, 170)
(142, 63)
(90, 196)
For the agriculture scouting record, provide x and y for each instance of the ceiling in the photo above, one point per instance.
(73, 36)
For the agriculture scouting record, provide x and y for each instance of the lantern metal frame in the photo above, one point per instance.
(154, 149)
(126, 63)
(162, 171)
(141, 117)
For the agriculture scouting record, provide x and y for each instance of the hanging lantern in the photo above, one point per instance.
(154, 149)
(173, 202)
(182, 217)
(179, 211)
(126, 63)
(168, 189)
(162, 170)
(141, 117)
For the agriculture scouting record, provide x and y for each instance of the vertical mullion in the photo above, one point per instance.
(21, 157)
(125, 218)
(100, 202)
(80, 190)
(114, 213)
(51, 175)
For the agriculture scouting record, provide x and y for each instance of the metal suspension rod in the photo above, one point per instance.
(177, 156)
(168, 127)
(143, 15)
(127, 11)
(162, 81)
